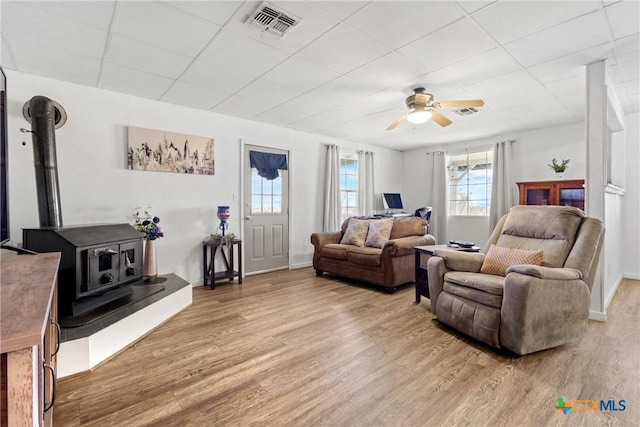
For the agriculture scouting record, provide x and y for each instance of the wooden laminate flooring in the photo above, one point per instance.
(292, 349)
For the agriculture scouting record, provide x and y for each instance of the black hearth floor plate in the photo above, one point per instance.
(138, 292)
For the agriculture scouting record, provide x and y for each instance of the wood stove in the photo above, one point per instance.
(98, 262)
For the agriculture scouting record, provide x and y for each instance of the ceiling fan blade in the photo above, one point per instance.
(395, 124)
(440, 119)
(460, 104)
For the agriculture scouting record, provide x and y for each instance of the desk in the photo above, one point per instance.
(209, 265)
(422, 280)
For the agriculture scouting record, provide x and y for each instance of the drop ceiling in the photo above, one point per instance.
(342, 61)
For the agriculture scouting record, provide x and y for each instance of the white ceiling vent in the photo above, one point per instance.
(466, 111)
(272, 20)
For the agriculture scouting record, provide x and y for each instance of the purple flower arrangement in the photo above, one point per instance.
(147, 223)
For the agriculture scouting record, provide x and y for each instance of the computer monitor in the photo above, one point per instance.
(391, 201)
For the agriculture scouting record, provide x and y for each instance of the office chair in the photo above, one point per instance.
(425, 213)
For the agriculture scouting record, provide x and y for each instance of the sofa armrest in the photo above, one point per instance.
(541, 272)
(460, 260)
(320, 239)
(538, 313)
(404, 245)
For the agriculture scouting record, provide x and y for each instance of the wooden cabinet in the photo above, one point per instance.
(568, 192)
(29, 338)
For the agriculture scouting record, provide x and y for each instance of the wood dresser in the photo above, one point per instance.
(29, 338)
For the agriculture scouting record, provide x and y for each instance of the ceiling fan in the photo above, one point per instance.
(422, 107)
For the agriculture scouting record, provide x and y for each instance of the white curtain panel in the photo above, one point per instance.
(437, 195)
(331, 217)
(365, 183)
(503, 195)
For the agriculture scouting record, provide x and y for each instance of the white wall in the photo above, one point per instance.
(96, 186)
(532, 152)
(631, 203)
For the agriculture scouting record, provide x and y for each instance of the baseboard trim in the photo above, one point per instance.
(597, 315)
(632, 276)
(301, 265)
(608, 298)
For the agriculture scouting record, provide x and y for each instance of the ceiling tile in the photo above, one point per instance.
(45, 29)
(334, 93)
(268, 94)
(515, 99)
(473, 5)
(239, 106)
(299, 74)
(489, 64)
(624, 18)
(164, 26)
(506, 83)
(340, 9)
(224, 77)
(95, 13)
(34, 58)
(193, 96)
(141, 56)
(569, 65)
(507, 21)
(569, 85)
(218, 12)
(627, 49)
(120, 79)
(389, 22)
(564, 39)
(343, 49)
(449, 45)
(387, 71)
(6, 56)
(237, 51)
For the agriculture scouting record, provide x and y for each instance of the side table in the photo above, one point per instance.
(422, 280)
(209, 250)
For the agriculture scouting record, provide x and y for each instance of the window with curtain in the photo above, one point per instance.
(348, 186)
(469, 183)
(266, 195)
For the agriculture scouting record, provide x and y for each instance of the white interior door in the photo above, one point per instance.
(266, 221)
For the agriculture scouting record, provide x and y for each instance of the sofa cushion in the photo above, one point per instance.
(356, 232)
(335, 251)
(405, 227)
(498, 259)
(365, 256)
(379, 232)
(482, 288)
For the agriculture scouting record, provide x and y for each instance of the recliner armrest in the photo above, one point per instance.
(541, 272)
(460, 260)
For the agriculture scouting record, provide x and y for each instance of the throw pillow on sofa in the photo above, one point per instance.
(499, 258)
(379, 232)
(356, 232)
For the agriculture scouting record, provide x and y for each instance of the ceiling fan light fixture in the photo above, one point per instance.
(419, 115)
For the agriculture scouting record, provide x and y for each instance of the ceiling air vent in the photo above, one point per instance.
(271, 19)
(466, 111)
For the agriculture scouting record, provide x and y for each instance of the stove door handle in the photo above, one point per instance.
(102, 251)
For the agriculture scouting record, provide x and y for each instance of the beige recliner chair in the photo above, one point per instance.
(534, 307)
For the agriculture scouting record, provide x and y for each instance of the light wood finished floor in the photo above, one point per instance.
(291, 349)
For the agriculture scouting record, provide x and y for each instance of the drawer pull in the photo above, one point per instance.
(48, 406)
(58, 332)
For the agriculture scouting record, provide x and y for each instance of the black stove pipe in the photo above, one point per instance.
(43, 115)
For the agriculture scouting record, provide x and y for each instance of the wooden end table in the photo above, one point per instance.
(422, 280)
(209, 250)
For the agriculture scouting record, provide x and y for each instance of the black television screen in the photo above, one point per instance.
(392, 200)
(4, 197)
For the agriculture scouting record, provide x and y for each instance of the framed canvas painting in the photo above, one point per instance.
(162, 151)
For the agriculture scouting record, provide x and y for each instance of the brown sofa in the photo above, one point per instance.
(533, 307)
(389, 266)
